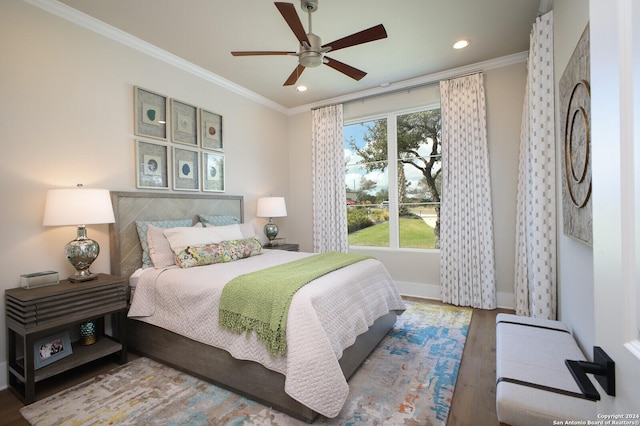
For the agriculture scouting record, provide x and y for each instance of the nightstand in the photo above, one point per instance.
(53, 311)
(287, 247)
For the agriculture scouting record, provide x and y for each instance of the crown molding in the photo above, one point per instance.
(72, 15)
(416, 82)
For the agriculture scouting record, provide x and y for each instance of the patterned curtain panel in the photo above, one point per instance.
(329, 197)
(535, 276)
(467, 266)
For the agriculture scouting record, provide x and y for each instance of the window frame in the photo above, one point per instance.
(392, 170)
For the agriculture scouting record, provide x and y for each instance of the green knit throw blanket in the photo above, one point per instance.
(259, 301)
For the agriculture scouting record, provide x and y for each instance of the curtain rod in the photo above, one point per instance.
(418, 82)
(462, 75)
(400, 89)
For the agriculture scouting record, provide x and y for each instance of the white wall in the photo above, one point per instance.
(575, 259)
(615, 138)
(66, 102)
(505, 89)
(418, 272)
(300, 182)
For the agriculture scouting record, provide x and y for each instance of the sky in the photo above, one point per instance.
(355, 173)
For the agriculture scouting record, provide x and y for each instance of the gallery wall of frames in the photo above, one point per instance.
(178, 145)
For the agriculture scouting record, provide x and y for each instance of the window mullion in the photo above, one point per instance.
(392, 162)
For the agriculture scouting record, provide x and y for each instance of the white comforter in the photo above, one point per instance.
(324, 318)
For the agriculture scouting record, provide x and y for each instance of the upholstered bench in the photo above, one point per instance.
(534, 386)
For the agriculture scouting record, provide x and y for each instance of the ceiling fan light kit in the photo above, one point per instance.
(311, 55)
(311, 52)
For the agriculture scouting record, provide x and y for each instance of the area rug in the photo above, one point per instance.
(409, 379)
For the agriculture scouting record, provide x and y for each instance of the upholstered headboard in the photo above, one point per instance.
(129, 207)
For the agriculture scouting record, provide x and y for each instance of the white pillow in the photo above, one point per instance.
(230, 232)
(160, 250)
(182, 237)
(245, 228)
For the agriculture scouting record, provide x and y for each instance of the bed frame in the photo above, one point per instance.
(215, 365)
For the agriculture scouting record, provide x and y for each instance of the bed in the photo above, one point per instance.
(303, 383)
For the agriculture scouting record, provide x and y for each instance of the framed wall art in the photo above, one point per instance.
(191, 159)
(186, 169)
(211, 130)
(575, 104)
(184, 123)
(213, 172)
(51, 349)
(150, 114)
(152, 165)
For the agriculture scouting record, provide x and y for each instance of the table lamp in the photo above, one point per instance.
(271, 207)
(80, 207)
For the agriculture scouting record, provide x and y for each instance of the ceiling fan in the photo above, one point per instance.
(312, 52)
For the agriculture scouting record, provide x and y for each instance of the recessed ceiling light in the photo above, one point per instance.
(301, 88)
(461, 44)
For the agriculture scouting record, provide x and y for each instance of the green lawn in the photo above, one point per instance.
(414, 233)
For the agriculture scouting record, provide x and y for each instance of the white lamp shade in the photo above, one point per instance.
(271, 207)
(77, 206)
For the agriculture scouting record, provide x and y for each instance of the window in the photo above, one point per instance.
(393, 181)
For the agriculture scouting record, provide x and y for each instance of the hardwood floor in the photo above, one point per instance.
(10, 404)
(474, 398)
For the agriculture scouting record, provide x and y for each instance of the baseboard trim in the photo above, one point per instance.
(425, 291)
(3, 376)
(432, 291)
(505, 300)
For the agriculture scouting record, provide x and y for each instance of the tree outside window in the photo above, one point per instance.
(415, 141)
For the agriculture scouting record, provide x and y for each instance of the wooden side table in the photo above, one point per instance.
(34, 314)
(287, 247)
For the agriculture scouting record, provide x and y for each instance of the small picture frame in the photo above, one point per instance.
(213, 172)
(186, 170)
(152, 165)
(51, 349)
(211, 131)
(150, 114)
(184, 123)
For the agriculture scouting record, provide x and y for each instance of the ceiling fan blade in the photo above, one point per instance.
(288, 12)
(345, 69)
(261, 52)
(294, 76)
(371, 34)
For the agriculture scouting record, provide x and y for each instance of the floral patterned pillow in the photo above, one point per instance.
(239, 249)
(224, 251)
